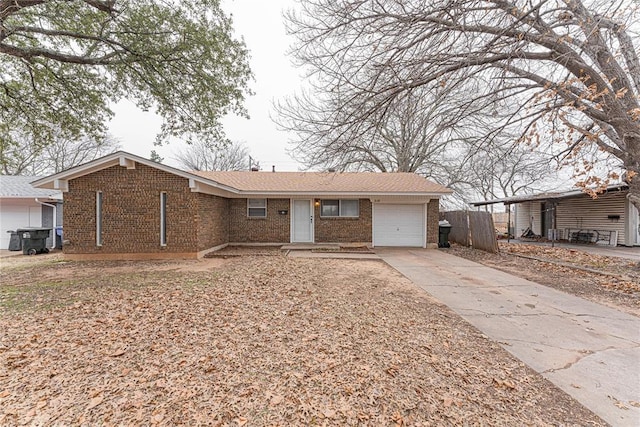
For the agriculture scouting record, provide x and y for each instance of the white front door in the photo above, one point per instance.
(302, 221)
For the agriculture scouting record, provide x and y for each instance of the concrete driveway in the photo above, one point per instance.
(590, 351)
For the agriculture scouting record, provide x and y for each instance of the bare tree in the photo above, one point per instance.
(407, 137)
(200, 156)
(27, 157)
(436, 133)
(572, 64)
(504, 170)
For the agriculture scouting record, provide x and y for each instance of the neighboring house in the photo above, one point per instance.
(125, 206)
(22, 205)
(608, 219)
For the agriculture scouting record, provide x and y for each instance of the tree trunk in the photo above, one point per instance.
(632, 165)
(634, 191)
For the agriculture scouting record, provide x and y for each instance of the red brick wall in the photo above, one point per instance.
(339, 230)
(131, 212)
(433, 216)
(212, 220)
(275, 228)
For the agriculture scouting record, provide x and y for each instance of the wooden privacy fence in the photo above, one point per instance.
(471, 228)
(459, 227)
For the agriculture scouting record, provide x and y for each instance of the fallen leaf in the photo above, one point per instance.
(95, 402)
(275, 400)
(329, 413)
(621, 406)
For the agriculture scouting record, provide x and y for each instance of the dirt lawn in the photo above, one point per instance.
(251, 340)
(606, 280)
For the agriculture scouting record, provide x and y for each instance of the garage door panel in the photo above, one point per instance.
(14, 216)
(398, 225)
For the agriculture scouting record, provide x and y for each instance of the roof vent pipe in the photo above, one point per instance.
(273, 168)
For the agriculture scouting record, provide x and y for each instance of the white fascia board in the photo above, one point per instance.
(50, 198)
(211, 187)
(58, 178)
(319, 194)
(61, 184)
(129, 161)
(126, 162)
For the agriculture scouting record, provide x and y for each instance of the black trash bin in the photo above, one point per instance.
(34, 240)
(14, 241)
(443, 236)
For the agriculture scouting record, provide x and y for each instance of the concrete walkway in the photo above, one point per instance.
(590, 351)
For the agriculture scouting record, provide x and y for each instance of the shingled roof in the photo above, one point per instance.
(325, 182)
(17, 187)
(241, 183)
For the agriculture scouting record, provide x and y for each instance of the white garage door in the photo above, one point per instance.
(16, 215)
(398, 225)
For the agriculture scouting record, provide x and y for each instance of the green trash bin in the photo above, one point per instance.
(34, 240)
(14, 241)
(443, 236)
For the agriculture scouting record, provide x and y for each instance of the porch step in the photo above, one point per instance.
(309, 246)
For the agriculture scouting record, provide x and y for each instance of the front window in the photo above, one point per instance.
(257, 208)
(99, 218)
(163, 219)
(340, 208)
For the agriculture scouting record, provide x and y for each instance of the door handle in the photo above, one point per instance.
(310, 219)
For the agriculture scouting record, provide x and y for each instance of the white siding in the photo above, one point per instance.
(591, 214)
(523, 213)
(632, 230)
(18, 213)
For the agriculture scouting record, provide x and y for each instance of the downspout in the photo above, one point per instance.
(53, 234)
(508, 223)
(632, 225)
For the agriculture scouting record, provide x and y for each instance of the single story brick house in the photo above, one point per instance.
(122, 206)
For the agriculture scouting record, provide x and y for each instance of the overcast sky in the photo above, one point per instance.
(261, 25)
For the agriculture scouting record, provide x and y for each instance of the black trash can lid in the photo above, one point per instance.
(20, 230)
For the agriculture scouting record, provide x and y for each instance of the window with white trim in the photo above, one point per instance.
(340, 208)
(163, 219)
(98, 218)
(257, 208)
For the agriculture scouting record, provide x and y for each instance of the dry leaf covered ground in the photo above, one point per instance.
(255, 340)
(606, 280)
